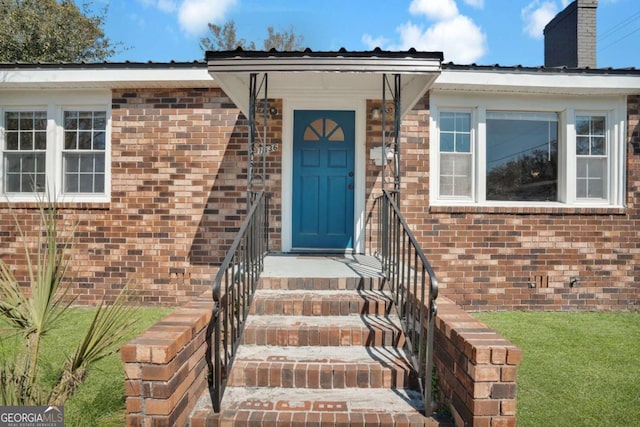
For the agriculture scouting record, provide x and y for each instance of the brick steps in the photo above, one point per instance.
(319, 351)
(320, 303)
(322, 367)
(323, 331)
(321, 283)
(244, 406)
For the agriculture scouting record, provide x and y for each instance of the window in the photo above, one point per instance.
(25, 145)
(50, 148)
(489, 150)
(592, 157)
(84, 151)
(455, 154)
(522, 156)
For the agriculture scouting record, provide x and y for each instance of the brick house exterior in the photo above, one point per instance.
(177, 181)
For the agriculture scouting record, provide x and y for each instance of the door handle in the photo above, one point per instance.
(351, 174)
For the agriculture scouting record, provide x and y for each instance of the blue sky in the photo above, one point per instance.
(506, 32)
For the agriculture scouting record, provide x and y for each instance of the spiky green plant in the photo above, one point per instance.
(31, 316)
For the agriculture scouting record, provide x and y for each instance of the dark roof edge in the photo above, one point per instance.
(103, 65)
(541, 69)
(342, 53)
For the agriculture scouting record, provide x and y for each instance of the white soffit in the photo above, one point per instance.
(538, 82)
(108, 77)
(327, 74)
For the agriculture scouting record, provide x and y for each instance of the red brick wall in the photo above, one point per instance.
(476, 369)
(179, 168)
(485, 258)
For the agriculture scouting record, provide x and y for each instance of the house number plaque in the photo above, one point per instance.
(269, 148)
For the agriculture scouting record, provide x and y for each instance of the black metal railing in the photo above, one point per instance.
(413, 285)
(233, 290)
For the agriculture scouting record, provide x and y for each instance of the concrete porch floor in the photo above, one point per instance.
(317, 265)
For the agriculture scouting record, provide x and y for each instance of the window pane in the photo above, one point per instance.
(447, 122)
(86, 183)
(84, 173)
(70, 120)
(72, 163)
(455, 174)
(522, 157)
(40, 162)
(26, 141)
(581, 168)
(86, 164)
(463, 122)
(84, 141)
(41, 121)
(12, 183)
(85, 122)
(99, 165)
(597, 125)
(40, 182)
(100, 120)
(446, 164)
(40, 141)
(463, 143)
(591, 179)
(26, 122)
(12, 140)
(462, 186)
(598, 147)
(446, 186)
(13, 163)
(582, 125)
(29, 163)
(99, 141)
(582, 145)
(71, 183)
(99, 183)
(11, 121)
(70, 140)
(447, 142)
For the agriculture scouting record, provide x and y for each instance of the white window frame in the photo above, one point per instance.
(472, 139)
(614, 109)
(55, 103)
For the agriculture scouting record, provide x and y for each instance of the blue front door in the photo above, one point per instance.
(323, 179)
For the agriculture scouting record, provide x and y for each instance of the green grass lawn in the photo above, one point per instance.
(100, 399)
(578, 369)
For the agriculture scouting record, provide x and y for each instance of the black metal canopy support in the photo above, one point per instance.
(257, 168)
(391, 147)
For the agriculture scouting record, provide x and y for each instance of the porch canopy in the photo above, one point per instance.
(325, 73)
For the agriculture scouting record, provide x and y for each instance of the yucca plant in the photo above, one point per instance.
(28, 317)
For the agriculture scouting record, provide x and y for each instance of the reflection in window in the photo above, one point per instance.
(455, 154)
(522, 156)
(591, 151)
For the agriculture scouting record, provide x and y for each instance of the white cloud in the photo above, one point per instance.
(456, 35)
(166, 6)
(536, 15)
(373, 42)
(194, 15)
(461, 40)
(475, 3)
(434, 9)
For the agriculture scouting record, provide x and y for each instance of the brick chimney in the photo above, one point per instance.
(570, 37)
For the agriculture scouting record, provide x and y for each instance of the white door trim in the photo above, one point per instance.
(324, 103)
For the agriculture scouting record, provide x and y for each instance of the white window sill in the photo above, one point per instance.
(527, 208)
